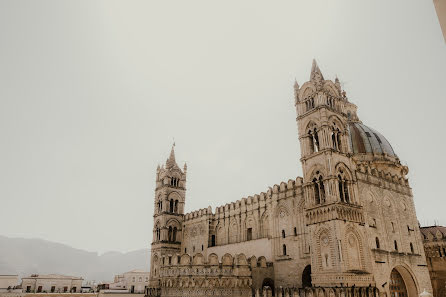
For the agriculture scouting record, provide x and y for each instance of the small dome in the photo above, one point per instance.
(365, 140)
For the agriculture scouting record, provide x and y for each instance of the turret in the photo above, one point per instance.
(170, 194)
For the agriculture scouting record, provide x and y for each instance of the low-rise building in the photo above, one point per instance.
(8, 281)
(134, 281)
(9, 286)
(51, 283)
(68, 294)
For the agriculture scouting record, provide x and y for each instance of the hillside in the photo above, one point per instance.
(27, 256)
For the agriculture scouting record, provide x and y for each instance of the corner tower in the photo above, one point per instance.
(170, 194)
(333, 212)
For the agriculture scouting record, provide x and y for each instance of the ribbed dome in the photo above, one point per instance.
(365, 140)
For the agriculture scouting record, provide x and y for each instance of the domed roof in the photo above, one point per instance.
(365, 140)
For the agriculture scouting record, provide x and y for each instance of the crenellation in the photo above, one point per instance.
(348, 222)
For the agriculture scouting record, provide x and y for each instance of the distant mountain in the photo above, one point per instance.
(27, 256)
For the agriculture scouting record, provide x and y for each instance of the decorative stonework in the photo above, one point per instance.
(349, 220)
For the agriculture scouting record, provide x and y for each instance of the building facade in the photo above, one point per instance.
(9, 286)
(434, 238)
(135, 281)
(350, 221)
(51, 283)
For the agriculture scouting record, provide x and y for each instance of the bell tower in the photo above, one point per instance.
(334, 216)
(170, 194)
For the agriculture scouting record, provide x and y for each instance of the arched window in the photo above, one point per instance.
(330, 101)
(377, 242)
(158, 233)
(174, 234)
(283, 233)
(344, 193)
(284, 249)
(174, 182)
(160, 205)
(336, 137)
(322, 189)
(309, 103)
(170, 234)
(395, 245)
(176, 206)
(411, 248)
(319, 189)
(295, 231)
(171, 205)
(311, 141)
(317, 196)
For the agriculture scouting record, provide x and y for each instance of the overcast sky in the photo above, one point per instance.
(92, 94)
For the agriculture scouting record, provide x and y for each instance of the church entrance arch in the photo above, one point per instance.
(306, 277)
(268, 284)
(402, 283)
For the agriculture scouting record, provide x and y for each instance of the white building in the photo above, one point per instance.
(134, 281)
(51, 283)
(9, 286)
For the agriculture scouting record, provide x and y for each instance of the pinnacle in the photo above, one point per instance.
(171, 161)
(316, 73)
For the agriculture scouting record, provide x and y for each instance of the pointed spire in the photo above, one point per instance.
(171, 161)
(316, 73)
(296, 85)
(296, 91)
(338, 84)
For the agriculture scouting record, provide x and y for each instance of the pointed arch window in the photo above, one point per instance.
(283, 233)
(174, 234)
(330, 101)
(336, 137)
(176, 206)
(309, 103)
(395, 244)
(174, 182)
(171, 205)
(377, 243)
(284, 249)
(319, 189)
(158, 233)
(314, 140)
(170, 234)
(343, 186)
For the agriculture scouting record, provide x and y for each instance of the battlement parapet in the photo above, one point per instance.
(198, 214)
(276, 192)
(384, 179)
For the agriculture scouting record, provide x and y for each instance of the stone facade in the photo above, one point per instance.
(348, 222)
(434, 238)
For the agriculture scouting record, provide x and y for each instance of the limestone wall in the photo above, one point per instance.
(199, 276)
(258, 248)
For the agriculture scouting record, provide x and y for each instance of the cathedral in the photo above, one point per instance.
(348, 227)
